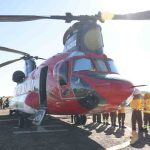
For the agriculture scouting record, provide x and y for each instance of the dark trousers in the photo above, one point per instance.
(146, 120)
(97, 118)
(113, 116)
(121, 119)
(105, 117)
(136, 118)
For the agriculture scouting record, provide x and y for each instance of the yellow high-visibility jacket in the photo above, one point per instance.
(147, 105)
(121, 109)
(136, 104)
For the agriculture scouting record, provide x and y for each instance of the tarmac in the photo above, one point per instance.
(57, 133)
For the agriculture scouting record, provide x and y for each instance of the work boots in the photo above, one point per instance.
(134, 137)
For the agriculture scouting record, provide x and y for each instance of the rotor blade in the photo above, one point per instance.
(12, 50)
(145, 15)
(9, 62)
(138, 85)
(19, 18)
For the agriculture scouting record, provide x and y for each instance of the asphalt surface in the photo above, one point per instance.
(57, 133)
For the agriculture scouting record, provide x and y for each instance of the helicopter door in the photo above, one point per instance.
(63, 75)
(42, 88)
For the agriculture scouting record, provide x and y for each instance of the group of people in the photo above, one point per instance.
(4, 102)
(140, 114)
(140, 106)
(120, 113)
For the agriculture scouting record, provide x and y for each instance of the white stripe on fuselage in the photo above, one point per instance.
(18, 103)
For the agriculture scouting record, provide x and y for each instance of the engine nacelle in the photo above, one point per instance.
(18, 76)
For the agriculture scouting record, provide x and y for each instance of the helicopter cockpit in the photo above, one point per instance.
(95, 65)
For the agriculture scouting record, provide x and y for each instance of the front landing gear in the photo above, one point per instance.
(79, 119)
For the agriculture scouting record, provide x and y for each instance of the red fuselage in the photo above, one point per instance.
(74, 83)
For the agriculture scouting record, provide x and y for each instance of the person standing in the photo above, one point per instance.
(113, 117)
(136, 105)
(97, 118)
(121, 116)
(105, 118)
(146, 112)
(1, 103)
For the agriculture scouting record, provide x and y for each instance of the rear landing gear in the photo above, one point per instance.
(79, 119)
(24, 121)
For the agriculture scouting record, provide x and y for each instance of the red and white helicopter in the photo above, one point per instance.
(80, 80)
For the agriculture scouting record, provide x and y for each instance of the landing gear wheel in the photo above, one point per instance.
(83, 119)
(79, 119)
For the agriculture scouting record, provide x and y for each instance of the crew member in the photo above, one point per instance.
(97, 118)
(113, 117)
(136, 105)
(146, 112)
(1, 103)
(121, 115)
(105, 118)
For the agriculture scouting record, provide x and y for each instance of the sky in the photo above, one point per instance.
(126, 42)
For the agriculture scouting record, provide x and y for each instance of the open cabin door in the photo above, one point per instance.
(39, 115)
(42, 87)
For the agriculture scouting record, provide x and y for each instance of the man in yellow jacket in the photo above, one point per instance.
(121, 115)
(146, 112)
(137, 106)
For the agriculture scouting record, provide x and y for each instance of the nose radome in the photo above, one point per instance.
(113, 90)
(111, 87)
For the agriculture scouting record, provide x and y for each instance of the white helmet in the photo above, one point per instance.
(136, 92)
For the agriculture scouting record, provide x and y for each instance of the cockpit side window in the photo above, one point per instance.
(101, 66)
(83, 64)
(112, 66)
(61, 73)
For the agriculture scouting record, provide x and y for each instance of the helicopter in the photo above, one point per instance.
(80, 80)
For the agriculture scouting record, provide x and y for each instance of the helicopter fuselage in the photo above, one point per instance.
(72, 83)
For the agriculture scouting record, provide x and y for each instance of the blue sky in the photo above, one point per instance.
(127, 42)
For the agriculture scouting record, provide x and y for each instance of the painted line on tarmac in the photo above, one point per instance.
(44, 131)
(46, 126)
(7, 120)
(122, 145)
(40, 129)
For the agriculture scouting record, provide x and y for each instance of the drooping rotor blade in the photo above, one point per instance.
(9, 62)
(139, 85)
(145, 15)
(12, 50)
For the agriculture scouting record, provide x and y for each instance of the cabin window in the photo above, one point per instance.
(101, 66)
(112, 66)
(83, 64)
(63, 73)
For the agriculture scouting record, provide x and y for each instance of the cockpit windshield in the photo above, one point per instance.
(83, 64)
(89, 64)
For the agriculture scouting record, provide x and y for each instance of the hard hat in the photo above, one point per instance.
(136, 92)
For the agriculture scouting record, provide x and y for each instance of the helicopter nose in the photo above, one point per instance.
(114, 90)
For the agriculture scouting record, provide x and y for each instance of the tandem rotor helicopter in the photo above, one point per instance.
(80, 80)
